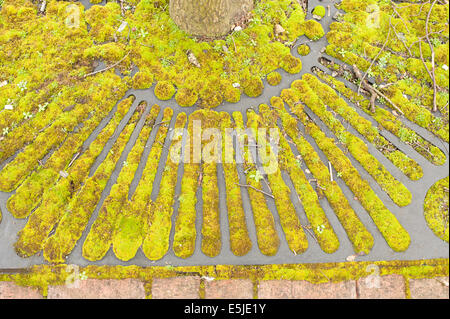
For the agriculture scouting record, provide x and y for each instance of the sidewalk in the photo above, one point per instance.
(194, 287)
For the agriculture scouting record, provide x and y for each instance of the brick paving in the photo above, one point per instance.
(387, 287)
(9, 290)
(229, 289)
(436, 288)
(99, 289)
(176, 288)
(339, 290)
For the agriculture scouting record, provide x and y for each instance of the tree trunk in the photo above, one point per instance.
(212, 18)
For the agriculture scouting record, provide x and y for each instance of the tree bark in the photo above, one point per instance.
(211, 18)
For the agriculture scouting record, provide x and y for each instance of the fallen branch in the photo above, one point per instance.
(373, 92)
(256, 189)
(109, 67)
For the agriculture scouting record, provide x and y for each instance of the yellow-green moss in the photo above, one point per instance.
(99, 238)
(407, 165)
(274, 78)
(303, 49)
(185, 231)
(164, 90)
(360, 237)
(268, 240)
(396, 190)
(156, 242)
(313, 30)
(132, 225)
(291, 64)
(55, 199)
(186, 97)
(240, 243)
(393, 232)
(319, 11)
(389, 122)
(142, 80)
(319, 222)
(42, 276)
(253, 87)
(78, 211)
(436, 208)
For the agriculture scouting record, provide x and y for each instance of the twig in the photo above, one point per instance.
(433, 77)
(311, 233)
(159, 123)
(235, 49)
(331, 171)
(373, 91)
(258, 190)
(109, 67)
(73, 159)
(376, 57)
(394, 6)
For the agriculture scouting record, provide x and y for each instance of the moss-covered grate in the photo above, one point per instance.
(86, 127)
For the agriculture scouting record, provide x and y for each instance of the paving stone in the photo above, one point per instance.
(176, 288)
(275, 289)
(382, 287)
(99, 289)
(229, 289)
(435, 288)
(330, 290)
(9, 290)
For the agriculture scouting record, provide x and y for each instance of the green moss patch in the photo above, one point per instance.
(436, 208)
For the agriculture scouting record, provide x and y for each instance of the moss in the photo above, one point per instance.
(42, 276)
(393, 232)
(319, 223)
(313, 30)
(253, 87)
(268, 240)
(319, 11)
(436, 208)
(274, 78)
(32, 237)
(290, 223)
(291, 64)
(28, 195)
(132, 225)
(407, 165)
(99, 238)
(186, 97)
(142, 80)
(240, 242)
(360, 237)
(389, 122)
(78, 211)
(185, 232)
(356, 42)
(396, 190)
(211, 233)
(231, 94)
(156, 241)
(164, 90)
(303, 49)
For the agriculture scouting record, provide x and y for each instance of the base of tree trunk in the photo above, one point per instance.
(209, 18)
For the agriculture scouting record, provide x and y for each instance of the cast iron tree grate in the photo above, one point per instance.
(363, 136)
